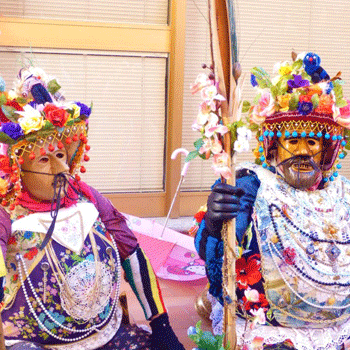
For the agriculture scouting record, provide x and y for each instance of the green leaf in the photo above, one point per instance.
(293, 102)
(274, 91)
(256, 99)
(9, 112)
(297, 64)
(4, 138)
(262, 77)
(341, 103)
(191, 155)
(53, 86)
(3, 99)
(315, 100)
(198, 143)
(245, 106)
(21, 100)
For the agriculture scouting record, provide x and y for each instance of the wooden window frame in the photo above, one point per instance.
(170, 39)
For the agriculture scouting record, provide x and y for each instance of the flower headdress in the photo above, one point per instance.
(35, 114)
(301, 100)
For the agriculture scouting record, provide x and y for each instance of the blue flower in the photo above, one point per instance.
(253, 80)
(191, 331)
(84, 109)
(12, 129)
(298, 82)
(305, 108)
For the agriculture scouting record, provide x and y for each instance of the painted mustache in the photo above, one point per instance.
(302, 163)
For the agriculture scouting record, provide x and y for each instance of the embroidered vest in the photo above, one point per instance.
(66, 295)
(304, 239)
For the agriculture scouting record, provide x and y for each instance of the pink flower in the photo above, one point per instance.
(259, 317)
(252, 295)
(343, 118)
(212, 145)
(220, 165)
(264, 108)
(210, 96)
(201, 82)
(10, 330)
(258, 343)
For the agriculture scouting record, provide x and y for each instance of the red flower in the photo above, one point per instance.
(5, 164)
(12, 240)
(31, 254)
(199, 216)
(11, 103)
(289, 255)
(55, 115)
(248, 271)
(15, 278)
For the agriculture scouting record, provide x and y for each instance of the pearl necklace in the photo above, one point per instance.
(87, 331)
(290, 287)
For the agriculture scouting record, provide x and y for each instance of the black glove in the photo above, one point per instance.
(163, 336)
(223, 204)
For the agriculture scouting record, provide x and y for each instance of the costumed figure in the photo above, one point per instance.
(292, 210)
(64, 243)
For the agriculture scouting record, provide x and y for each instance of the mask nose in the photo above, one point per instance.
(59, 165)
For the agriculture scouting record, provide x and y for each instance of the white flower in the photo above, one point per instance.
(241, 145)
(244, 132)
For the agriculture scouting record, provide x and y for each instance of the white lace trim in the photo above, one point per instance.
(302, 338)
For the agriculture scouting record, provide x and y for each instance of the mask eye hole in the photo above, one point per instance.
(43, 160)
(60, 155)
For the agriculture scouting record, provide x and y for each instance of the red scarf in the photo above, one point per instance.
(36, 205)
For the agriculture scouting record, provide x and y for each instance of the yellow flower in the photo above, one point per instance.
(32, 120)
(285, 70)
(256, 152)
(76, 110)
(3, 186)
(283, 101)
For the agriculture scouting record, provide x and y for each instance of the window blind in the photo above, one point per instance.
(267, 32)
(127, 125)
(121, 11)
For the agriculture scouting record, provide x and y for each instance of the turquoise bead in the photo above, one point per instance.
(261, 138)
(279, 134)
(319, 134)
(271, 134)
(327, 136)
(325, 179)
(343, 143)
(338, 166)
(266, 133)
(341, 155)
(303, 134)
(295, 134)
(312, 134)
(264, 165)
(335, 174)
(334, 137)
(287, 133)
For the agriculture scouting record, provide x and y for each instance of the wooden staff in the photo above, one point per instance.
(221, 32)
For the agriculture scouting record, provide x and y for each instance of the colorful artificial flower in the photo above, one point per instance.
(305, 108)
(259, 317)
(220, 165)
(344, 115)
(84, 109)
(32, 120)
(298, 82)
(57, 116)
(325, 104)
(258, 343)
(201, 82)
(252, 295)
(283, 102)
(210, 95)
(13, 130)
(289, 255)
(248, 271)
(5, 167)
(3, 187)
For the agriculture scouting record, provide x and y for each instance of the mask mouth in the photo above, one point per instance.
(301, 172)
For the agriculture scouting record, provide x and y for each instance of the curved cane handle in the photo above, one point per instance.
(185, 152)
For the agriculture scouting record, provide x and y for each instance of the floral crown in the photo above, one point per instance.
(301, 100)
(35, 114)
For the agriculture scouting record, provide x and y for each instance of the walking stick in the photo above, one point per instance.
(226, 68)
(2, 338)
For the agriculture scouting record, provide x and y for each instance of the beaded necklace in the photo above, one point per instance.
(87, 331)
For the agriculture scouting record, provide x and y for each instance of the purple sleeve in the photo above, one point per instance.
(115, 224)
(5, 230)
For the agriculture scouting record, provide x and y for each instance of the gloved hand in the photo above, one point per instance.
(163, 336)
(223, 204)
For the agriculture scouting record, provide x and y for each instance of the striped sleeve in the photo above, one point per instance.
(144, 283)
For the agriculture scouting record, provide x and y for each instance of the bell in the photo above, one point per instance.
(203, 305)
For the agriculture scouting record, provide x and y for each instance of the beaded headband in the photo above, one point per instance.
(35, 114)
(300, 101)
